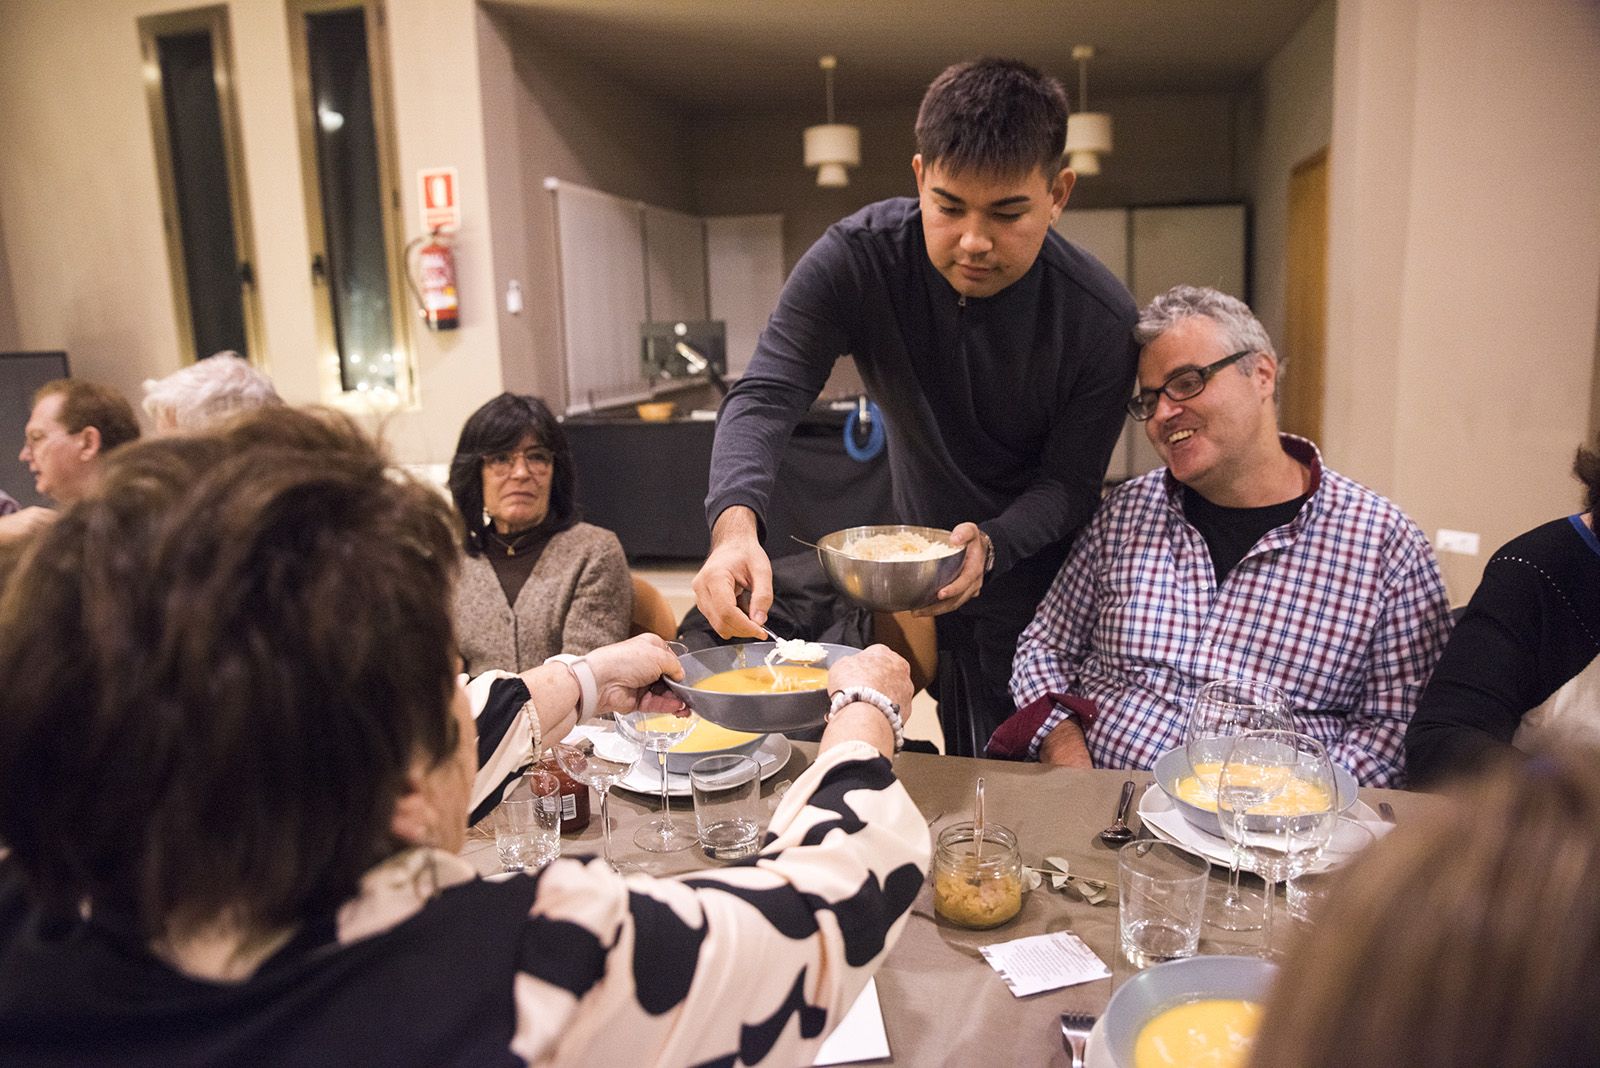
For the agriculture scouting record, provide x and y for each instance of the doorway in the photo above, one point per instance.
(1306, 297)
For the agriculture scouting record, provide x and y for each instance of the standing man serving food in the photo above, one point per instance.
(1000, 354)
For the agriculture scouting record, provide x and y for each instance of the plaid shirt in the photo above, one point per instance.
(1342, 608)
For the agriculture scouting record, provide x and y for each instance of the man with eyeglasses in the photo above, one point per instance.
(73, 424)
(998, 352)
(1243, 558)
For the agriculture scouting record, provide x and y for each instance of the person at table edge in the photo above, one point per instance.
(998, 352)
(1243, 557)
(1522, 670)
(73, 424)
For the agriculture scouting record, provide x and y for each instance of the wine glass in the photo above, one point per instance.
(658, 732)
(601, 766)
(1277, 801)
(1225, 709)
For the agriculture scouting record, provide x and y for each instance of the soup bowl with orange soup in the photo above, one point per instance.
(1194, 790)
(1200, 1012)
(733, 687)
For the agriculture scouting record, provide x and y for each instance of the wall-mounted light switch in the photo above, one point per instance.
(1464, 542)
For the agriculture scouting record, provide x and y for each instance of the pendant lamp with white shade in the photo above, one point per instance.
(833, 146)
(1088, 132)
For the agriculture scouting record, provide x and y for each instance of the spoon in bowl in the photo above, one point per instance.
(1119, 833)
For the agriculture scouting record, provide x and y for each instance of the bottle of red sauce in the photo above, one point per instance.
(574, 797)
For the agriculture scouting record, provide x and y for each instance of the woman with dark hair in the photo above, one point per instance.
(234, 772)
(536, 582)
(1522, 669)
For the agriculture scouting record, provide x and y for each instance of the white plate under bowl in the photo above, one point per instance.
(1161, 815)
(645, 778)
(1162, 986)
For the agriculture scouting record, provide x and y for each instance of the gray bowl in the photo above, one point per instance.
(756, 712)
(1164, 986)
(1173, 765)
(887, 585)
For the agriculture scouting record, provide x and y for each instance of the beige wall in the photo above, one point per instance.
(8, 309)
(1464, 258)
(1170, 149)
(78, 192)
(1285, 117)
(546, 116)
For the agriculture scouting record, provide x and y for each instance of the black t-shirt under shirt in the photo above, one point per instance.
(1231, 532)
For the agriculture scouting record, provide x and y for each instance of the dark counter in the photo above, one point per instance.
(647, 483)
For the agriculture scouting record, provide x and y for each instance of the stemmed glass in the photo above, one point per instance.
(602, 767)
(1225, 709)
(1277, 801)
(659, 732)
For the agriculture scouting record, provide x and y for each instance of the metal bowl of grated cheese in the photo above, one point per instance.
(890, 568)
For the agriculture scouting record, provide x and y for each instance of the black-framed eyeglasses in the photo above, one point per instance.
(503, 463)
(1182, 385)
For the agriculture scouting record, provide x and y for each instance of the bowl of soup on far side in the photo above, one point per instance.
(1194, 790)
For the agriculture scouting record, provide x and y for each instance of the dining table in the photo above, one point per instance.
(942, 1003)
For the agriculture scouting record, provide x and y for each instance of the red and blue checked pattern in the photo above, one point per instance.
(1342, 608)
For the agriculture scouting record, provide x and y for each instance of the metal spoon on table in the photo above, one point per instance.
(1119, 833)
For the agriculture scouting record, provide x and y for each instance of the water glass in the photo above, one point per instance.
(727, 805)
(1305, 892)
(1161, 901)
(527, 833)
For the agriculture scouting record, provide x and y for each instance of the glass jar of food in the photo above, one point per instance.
(974, 889)
(574, 797)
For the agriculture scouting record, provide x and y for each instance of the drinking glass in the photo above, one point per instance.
(727, 805)
(1304, 891)
(1277, 802)
(1225, 709)
(1161, 901)
(601, 763)
(527, 834)
(658, 732)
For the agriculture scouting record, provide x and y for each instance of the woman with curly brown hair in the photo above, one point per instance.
(235, 765)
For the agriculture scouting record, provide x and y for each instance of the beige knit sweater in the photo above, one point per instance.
(579, 596)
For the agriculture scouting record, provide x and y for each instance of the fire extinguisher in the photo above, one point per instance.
(434, 285)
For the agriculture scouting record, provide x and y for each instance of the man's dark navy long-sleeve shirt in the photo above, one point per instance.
(1000, 410)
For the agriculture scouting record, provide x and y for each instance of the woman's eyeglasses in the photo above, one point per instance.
(503, 463)
(1180, 387)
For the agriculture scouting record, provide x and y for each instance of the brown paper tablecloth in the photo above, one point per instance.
(942, 1003)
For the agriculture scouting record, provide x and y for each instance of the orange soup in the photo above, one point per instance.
(781, 678)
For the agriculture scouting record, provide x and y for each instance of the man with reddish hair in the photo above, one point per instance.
(73, 424)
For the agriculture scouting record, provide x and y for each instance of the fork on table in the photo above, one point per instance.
(1075, 1028)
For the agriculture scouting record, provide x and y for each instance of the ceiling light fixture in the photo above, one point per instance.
(833, 146)
(1088, 132)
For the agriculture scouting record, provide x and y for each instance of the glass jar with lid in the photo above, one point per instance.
(972, 887)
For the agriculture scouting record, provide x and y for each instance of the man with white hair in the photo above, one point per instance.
(207, 392)
(1243, 558)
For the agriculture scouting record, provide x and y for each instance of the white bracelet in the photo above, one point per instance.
(878, 700)
(583, 675)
